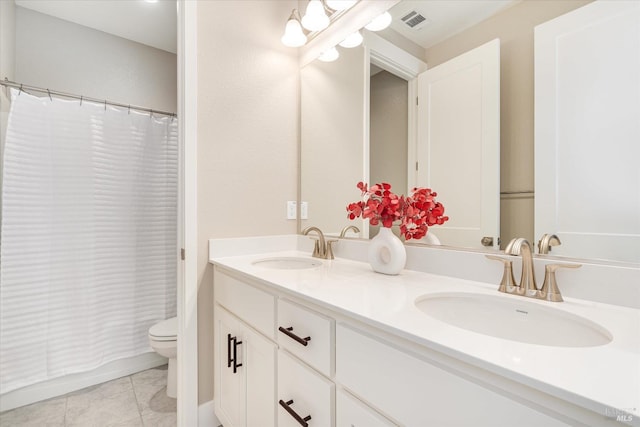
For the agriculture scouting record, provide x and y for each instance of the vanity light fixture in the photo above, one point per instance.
(379, 23)
(329, 55)
(353, 40)
(293, 34)
(315, 18)
(340, 4)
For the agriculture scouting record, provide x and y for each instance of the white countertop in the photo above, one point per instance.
(604, 379)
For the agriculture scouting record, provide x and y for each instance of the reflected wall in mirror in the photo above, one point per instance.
(514, 25)
(332, 131)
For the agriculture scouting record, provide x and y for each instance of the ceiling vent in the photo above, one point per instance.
(414, 20)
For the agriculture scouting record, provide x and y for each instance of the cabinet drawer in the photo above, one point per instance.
(415, 392)
(351, 412)
(295, 325)
(305, 392)
(252, 305)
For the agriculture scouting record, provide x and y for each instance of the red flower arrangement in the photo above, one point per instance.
(416, 212)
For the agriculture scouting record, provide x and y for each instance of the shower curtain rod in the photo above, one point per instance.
(25, 88)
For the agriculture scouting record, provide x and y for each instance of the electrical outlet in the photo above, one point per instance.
(291, 209)
(304, 210)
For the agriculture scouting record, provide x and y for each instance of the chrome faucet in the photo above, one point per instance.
(546, 242)
(527, 286)
(322, 248)
(347, 228)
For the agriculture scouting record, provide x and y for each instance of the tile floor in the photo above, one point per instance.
(134, 401)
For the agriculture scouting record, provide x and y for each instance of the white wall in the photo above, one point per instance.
(68, 57)
(247, 137)
(7, 66)
(7, 39)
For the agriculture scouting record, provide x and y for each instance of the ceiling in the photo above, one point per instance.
(152, 24)
(155, 24)
(444, 18)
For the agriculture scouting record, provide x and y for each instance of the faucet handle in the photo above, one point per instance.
(317, 252)
(508, 282)
(329, 253)
(546, 242)
(550, 290)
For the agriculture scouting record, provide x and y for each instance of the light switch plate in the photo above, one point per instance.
(304, 210)
(291, 209)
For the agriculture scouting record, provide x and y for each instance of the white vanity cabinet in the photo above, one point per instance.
(304, 396)
(287, 362)
(418, 392)
(352, 412)
(244, 358)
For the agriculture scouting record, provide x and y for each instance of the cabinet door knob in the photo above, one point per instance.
(298, 418)
(288, 332)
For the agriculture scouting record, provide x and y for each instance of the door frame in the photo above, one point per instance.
(187, 284)
(393, 59)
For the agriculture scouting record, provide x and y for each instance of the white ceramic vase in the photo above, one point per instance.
(387, 253)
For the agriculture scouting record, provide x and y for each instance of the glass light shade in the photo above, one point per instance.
(329, 55)
(379, 23)
(293, 35)
(353, 40)
(315, 19)
(340, 4)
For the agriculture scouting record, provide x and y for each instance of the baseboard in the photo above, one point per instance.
(207, 416)
(68, 383)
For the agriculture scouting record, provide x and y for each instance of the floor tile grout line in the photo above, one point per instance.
(135, 396)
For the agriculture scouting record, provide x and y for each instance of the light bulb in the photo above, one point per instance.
(315, 19)
(340, 4)
(353, 40)
(329, 55)
(293, 35)
(379, 23)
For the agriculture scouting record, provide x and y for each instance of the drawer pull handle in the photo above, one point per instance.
(287, 332)
(298, 418)
(236, 365)
(229, 359)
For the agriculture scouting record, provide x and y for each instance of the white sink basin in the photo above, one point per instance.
(287, 263)
(512, 319)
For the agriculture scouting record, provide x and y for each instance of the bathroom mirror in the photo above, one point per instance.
(514, 25)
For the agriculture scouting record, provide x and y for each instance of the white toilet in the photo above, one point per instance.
(163, 339)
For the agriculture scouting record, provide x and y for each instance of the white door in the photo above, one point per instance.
(459, 144)
(587, 132)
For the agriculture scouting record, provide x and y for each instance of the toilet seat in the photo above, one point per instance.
(167, 330)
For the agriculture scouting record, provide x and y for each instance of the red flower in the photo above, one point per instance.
(416, 213)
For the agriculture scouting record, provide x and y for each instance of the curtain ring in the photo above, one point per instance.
(151, 114)
(81, 100)
(129, 112)
(20, 89)
(105, 105)
(49, 93)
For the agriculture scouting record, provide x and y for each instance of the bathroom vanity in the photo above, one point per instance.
(304, 341)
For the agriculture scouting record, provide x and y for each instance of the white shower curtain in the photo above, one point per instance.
(88, 244)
